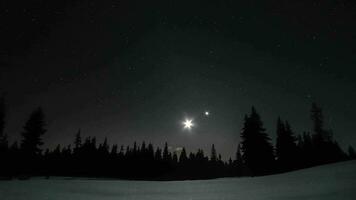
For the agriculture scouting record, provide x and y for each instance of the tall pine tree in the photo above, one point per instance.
(286, 147)
(256, 148)
(34, 129)
(325, 149)
(213, 156)
(3, 136)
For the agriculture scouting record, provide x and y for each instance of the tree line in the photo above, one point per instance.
(255, 154)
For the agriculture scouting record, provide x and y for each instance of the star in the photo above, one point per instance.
(206, 113)
(188, 124)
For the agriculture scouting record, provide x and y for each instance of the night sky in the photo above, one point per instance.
(133, 70)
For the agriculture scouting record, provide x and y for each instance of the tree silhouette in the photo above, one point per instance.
(213, 156)
(183, 156)
(89, 158)
(113, 151)
(33, 132)
(5, 158)
(166, 154)
(325, 149)
(3, 136)
(77, 141)
(286, 147)
(158, 154)
(352, 153)
(238, 155)
(256, 147)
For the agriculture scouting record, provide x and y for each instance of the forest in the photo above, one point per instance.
(256, 155)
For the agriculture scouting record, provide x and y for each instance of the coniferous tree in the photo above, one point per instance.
(325, 149)
(128, 152)
(306, 149)
(2, 115)
(213, 156)
(238, 155)
(352, 153)
(5, 157)
(3, 136)
(166, 153)
(183, 156)
(34, 129)
(134, 151)
(286, 147)
(143, 147)
(257, 150)
(113, 151)
(239, 168)
(121, 153)
(158, 154)
(104, 147)
(93, 143)
(77, 141)
(150, 151)
(175, 158)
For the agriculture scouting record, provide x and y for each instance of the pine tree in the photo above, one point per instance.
(143, 147)
(5, 157)
(3, 136)
(239, 160)
(166, 153)
(325, 149)
(183, 156)
(77, 141)
(286, 147)
(113, 151)
(121, 152)
(175, 158)
(105, 147)
(158, 154)
(352, 153)
(317, 118)
(213, 156)
(34, 129)
(150, 151)
(257, 150)
(2, 116)
(134, 151)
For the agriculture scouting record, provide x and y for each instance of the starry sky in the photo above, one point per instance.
(133, 70)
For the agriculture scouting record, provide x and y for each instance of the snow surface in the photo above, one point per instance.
(335, 181)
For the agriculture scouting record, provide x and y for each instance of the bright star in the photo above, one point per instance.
(207, 113)
(188, 124)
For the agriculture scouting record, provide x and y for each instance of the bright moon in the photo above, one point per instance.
(188, 124)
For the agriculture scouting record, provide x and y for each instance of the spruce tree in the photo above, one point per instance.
(105, 147)
(113, 151)
(351, 152)
(166, 153)
(183, 156)
(158, 154)
(3, 136)
(77, 141)
(175, 158)
(257, 150)
(213, 156)
(34, 129)
(238, 155)
(286, 147)
(4, 153)
(150, 151)
(325, 149)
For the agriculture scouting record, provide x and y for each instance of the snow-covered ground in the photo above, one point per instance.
(335, 181)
